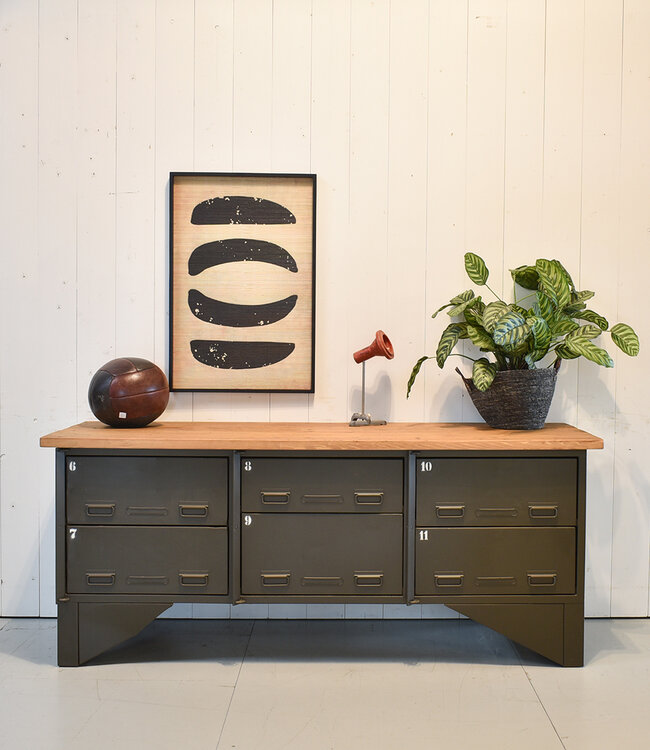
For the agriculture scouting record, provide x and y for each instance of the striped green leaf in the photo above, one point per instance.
(492, 313)
(566, 275)
(414, 374)
(534, 356)
(476, 269)
(511, 331)
(457, 300)
(541, 332)
(483, 373)
(447, 342)
(572, 310)
(545, 307)
(625, 338)
(525, 276)
(586, 348)
(553, 282)
(563, 326)
(588, 331)
(563, 352)
(440, 309)
(460, 309)
(473, 315)
(581, 296)
(593, 317)
(480, 337)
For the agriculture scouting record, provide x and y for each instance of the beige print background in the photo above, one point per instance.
(243, 283)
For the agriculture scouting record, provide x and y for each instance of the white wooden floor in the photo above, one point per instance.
(323, 685)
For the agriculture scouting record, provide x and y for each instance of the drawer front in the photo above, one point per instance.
(496, 491)
(147, 560)
(321, 554)
(147, 490)
(495, 561)
(322, 485)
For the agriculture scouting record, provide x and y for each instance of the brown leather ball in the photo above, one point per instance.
(128, 392)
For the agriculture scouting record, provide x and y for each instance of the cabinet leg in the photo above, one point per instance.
(555, 631)
(87, 629)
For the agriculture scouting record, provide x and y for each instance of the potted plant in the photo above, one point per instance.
(524, 341)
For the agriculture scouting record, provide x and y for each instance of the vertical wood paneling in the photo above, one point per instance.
(290, 132)
(96, 200)
(57, 255)
(135, 186)
(631, 528)
(407, 200)
(518, 130)
(20, 363)
(174, 152)
(562, 196)
(446, 199)
(330, 160)
(599, 246)
(364, 288)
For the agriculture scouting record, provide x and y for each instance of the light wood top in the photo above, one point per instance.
(400, 436)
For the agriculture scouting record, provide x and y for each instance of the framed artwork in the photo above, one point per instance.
(242, 282)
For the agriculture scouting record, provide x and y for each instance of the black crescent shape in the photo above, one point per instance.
(240, 355)
(232, 251)
(241, 209)
(238, 316)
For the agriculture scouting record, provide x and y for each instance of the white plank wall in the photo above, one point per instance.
(514, 129)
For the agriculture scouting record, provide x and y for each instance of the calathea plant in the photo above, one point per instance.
(551, 319)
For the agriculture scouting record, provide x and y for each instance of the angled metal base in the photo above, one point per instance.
(553, 630)
(87, 629)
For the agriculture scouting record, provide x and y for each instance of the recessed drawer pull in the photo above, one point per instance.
(495, 580)
(149, 580)
(368, 579)
(450, 511)
(100, 509)
(193, 579)
(193, 511)
(543, 511)
(496, 512)
(448, 579)
(322, 581)
(100, 579)
(275, 579)
(542, 579)
(275, 498)
(322, 499)
(369, 498)
(146, 510)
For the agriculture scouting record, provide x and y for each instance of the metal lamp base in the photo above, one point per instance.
(364, 420)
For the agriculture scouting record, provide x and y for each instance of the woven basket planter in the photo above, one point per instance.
(516, 400)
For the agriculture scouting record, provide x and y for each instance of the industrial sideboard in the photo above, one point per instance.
(488, 522)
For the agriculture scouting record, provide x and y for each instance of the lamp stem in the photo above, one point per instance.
(363, 387)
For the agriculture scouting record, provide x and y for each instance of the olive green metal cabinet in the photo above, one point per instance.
(490, 523)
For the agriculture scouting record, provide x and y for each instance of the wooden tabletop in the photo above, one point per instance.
(399, 436)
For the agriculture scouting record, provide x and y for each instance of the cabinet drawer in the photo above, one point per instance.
(321, 554)
(325, 485)
(147, 560)
(147, 490)
(496, 491)
(495, 561)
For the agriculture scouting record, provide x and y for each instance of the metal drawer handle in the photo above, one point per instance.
(322, 581)
(100, 509)
(276, 498)
(322, 499)
(448, 579)
(542, 579)
(496, 512)
(369, 498)
(100, 579)
(450, 511)
(275, 579)
(193, 511)
(193, 579)
(146, 510)
(153, 580)
(495, 580)
(543, 511)
(368, 579)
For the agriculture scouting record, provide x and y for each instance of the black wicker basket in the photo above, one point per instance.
(516, 400)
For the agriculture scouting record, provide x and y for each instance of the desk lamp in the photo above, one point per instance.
(380, 346)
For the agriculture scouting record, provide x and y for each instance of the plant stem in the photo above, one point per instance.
(487, 286)
(462, 355)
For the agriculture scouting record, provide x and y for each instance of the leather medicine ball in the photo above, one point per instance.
(128, 392)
